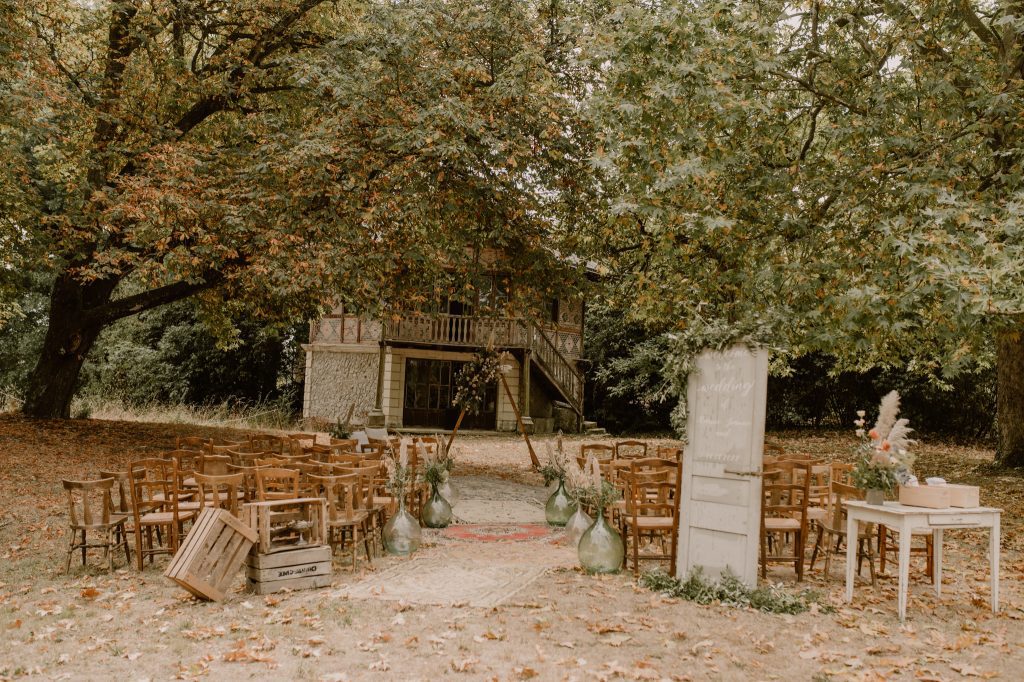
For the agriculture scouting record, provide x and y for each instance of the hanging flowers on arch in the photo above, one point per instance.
(474, 379)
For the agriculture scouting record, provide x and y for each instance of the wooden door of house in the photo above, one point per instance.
(429, 389)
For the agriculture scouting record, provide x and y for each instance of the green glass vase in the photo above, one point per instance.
(402, 531)
(601, 549)
(436, 513)
(576, 526)
(559, 507)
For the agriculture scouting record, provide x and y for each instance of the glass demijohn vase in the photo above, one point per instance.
(601, 549)
(577, 525)
(436, 513)
(402, 531)
(559, 507)
(447, 491)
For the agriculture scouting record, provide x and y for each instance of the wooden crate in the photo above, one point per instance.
(271, 520)
(211, 555)
(930, 496)
(294, 569)
(968, 496)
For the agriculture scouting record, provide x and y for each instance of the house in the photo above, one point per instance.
(401, 373)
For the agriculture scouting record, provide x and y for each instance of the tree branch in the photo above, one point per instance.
(130, 305)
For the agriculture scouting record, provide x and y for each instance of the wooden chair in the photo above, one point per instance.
(90, 510)
(346, 459)
(599, 450)
(220, 492)
(650, 513)
(773, 450)
(630, 449)
(841, 472)
(834, 527)
(187, 462)
(348, 519)
(275, 483)
(155, 508)
(784, 513)
(263, 462)
(248, 473)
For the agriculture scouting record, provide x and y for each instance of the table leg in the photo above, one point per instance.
(904, 568)
(937, 575)
(851, 553)
(994, 563)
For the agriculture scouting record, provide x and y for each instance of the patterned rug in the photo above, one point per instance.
(479, 532)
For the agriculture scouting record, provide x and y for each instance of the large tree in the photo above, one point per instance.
(843, 176)
(272, 157)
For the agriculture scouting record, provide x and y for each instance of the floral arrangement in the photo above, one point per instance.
(399, 473)
(473, 380)
(884, 457)
(556, 463)
(591, 489)
(437, 465)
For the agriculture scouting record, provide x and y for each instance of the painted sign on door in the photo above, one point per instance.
(720, 501)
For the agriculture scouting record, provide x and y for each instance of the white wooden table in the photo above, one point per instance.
(903, 519)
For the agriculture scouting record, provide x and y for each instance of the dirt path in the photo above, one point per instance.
(545, 619)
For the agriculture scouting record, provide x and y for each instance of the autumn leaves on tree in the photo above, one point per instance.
(824, 176)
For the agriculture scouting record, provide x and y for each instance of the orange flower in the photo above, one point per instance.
(873, 434)
(885, 446)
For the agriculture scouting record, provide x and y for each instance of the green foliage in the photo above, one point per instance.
(869, 475)
(474, 380)
(731, 591)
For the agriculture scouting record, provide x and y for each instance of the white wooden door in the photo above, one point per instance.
(720, 502)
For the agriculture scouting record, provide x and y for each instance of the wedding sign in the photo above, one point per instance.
(720, 502)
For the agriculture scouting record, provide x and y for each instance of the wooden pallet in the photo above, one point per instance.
(213, 551)
(271, 521)
(295, 569)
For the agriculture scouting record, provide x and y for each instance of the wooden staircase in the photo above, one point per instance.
(560, 372)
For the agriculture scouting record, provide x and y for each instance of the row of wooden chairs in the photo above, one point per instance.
(627, 449)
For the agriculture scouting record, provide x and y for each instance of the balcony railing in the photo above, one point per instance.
(457, 330)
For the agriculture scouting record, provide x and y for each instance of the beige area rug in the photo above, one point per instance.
(437, 580)
(498, 511)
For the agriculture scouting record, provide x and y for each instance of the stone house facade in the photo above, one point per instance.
(402, 372)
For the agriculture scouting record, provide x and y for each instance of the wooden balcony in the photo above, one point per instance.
(457, 330)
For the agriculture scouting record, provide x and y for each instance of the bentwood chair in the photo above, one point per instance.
(220, 492)
(651, 515)
(91, 511)
(630, 449)
(348, 514)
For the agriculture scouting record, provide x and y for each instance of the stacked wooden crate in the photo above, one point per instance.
(209, 559)
(292, 551)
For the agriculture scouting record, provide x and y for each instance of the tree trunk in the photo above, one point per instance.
(69, 337)
(1010, 397)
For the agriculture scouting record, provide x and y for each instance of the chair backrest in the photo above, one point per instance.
(220, 491)
(819, 490)
(186, 460)
(650, 493)
(350, 444)
(628, 449)
(347, 459)
(212, 449)
(840, 493)
(271, 462)
(123, 503)
(669, 452)
(653, 464)
(786, 492)
(214, 465)
(374, 451)
(274, 483)
(342, 492)
(264, 442)
(841, 472)
(598, 450)
(190, 443)
(89, 503)
(154, 487)
(773, 450)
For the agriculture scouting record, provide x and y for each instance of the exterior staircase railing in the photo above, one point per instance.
(558, 369)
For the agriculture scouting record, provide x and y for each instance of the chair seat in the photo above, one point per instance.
(650, 522)
(777, 523)
(115, 520)
(156, 518)
(357, 518)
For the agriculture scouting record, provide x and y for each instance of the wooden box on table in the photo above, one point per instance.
(930, 496)
(213, 551)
